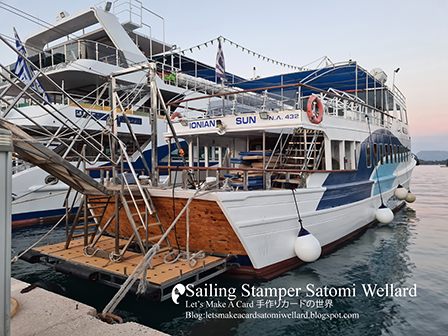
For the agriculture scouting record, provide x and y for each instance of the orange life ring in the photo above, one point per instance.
(176, 114)
(314, 115)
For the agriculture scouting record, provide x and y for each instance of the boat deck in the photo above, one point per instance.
(162, 276)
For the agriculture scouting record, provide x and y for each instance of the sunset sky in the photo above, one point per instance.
(410, 35)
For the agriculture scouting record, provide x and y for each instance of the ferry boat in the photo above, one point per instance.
(305, 161)
(338, 136)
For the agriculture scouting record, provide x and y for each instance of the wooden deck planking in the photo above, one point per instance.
(161, 273)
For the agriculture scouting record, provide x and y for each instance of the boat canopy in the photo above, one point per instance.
(347, 77)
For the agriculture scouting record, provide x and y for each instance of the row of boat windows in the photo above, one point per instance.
(386, 154)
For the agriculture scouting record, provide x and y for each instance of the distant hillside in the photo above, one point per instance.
(432, 155)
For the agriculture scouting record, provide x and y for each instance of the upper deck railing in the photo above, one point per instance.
(61, 55)
(399, 95)
(275, 99)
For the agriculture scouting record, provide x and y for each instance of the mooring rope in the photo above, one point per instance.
(14, 260)
(182, 256)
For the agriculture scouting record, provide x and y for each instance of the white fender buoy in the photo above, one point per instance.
(384, 214)
(411, 197)
(401, 193)
(307, 247)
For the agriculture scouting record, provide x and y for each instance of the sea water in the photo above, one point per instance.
(390, 280)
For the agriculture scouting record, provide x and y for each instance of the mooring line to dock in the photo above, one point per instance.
(14, 260)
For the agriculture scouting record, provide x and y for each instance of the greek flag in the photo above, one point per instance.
(23, 70)
(220, 65)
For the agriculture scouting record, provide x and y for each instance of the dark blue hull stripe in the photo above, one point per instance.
(344, 188)
(40, 214)
(341, 194)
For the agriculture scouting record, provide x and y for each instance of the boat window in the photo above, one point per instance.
(395, 154)
(336, 155)
(389, 103)
(405, 115)
(399, 115)
(375, 154)
(391, 155)
(386, 154)
(71, 51)
(368, 156)
(175, 155)
(349, 149)
(381, 154)
(357, 153)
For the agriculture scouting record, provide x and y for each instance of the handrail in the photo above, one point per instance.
(280, 87)
(108, 168)
(254, 169)
(134, 174)
(267, 174)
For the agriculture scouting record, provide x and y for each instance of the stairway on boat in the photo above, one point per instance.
(303, 150)
(138, 224)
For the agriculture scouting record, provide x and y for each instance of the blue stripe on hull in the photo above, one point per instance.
(349, 187)
(40, 214)
(341, 194)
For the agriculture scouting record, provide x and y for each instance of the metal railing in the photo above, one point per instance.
(276, 99)
(220, 171)
(80, 49)
(19, 165)
(62, 55)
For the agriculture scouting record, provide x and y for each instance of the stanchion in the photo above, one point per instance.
(6, 150)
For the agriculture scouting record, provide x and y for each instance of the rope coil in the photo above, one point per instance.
(182, 256)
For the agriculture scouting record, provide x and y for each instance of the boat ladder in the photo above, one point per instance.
(93, 209)
(301, 154)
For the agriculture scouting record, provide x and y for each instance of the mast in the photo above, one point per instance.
(153, 121)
